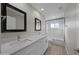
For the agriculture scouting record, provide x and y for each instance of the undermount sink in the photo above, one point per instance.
(19, 42)
(25, 39)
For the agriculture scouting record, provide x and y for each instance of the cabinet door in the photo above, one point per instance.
(36, 48)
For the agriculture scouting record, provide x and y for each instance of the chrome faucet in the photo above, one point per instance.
(18, 37)
(39, 32)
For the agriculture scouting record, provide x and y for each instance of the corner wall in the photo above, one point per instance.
(0, 28)
(70, 28)
(77, 25)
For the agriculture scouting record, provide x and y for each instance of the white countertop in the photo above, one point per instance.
(14, 46)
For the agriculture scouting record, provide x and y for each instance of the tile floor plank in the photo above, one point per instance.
(54, 49)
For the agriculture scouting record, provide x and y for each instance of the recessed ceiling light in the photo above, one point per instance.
(42, 9)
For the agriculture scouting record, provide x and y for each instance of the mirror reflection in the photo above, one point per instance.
(15, 19)
(37, 24)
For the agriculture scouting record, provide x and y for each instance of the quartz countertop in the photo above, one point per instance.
(14, 46)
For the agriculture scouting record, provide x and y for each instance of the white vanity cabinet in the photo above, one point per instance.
(37, 48)
(32, 45)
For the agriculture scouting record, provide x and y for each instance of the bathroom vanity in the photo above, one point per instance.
(13, 21)
(32, 45)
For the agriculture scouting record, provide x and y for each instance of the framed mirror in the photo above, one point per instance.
(37, 24)
(13, 19)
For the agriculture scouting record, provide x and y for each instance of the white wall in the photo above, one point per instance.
(31, 14)
(77, 25)
(70, 28)
(0, 28)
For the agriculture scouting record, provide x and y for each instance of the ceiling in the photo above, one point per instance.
(51, 10)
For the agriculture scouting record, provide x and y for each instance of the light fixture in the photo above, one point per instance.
(42, 9)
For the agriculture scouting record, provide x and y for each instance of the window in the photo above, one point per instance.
(56, 25)
(52, 25)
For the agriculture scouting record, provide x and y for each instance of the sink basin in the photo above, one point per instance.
(24, 39)
(20, 42)
(27, 40)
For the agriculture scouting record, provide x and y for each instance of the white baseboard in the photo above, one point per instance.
(66, 50)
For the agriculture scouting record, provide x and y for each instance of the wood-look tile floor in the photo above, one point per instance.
(54, 49)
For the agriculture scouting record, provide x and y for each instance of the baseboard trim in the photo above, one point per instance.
(45, 51)
(66, 50)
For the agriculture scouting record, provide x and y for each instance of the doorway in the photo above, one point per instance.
(55, 31)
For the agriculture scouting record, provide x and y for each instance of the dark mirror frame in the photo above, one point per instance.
(4, 18)
(36, 24)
